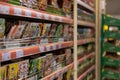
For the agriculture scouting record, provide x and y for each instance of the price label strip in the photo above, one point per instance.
(42, 48)
(53, 18)
(54, 47)
(48, 48)
(38, 15)
(6, 56)
(17, 11)
(60, 46)
(28, 13)
(4, 9)
(46, 16)
(19, 53)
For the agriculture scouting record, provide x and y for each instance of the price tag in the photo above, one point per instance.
(62, 71)
(6, 56)
(42, 48)
(61, 40)
(82, 22)
(19, 53)
(48, 48)
(46, 41)
(60, 46)
(42, 42)
(46, 16)
(52, 78)
(38, 15)
(85, 58)
(60, 19)
(53, 18)
(28, 13)
(57, 74)
(65, 70)
(4, 9)
(17, 11)
(54, 47)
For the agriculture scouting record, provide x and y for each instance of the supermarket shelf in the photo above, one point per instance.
(86, 23)
(85, 5)
(6, 55)
(12, 10)
(86, 57)
(86, 72)
(84, 41)
(58, 72)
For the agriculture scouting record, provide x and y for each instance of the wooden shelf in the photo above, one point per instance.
(6, 55)
(84, 41)
(86, 23)
(86, 72)
(58, 72)
(12, 10)
(85, 5)
(86, 57)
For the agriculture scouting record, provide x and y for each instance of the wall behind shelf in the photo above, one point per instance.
(113, 8)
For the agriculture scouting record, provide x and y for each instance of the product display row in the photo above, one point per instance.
(40, 66)
(16, 29)
(58, 7)
(84, 33)
(85, 16)
(85, 49)
(82, 67)
(26, 33)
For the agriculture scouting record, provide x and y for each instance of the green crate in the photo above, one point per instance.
(110, 62)
(110, 47)
(110, 34)
(111, 21)
(110, 74)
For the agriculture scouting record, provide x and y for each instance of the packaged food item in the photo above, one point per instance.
(46, 30)
(3, 72)
(55, 6)
(42, 4)
(2, 28)
(33, 66)
(67, 7)
(24, 3)
(53, 30)
(17, 30)
(69, 74)
(23, 67)
(32, 78)
(68, 54)
(48, 64)
(12, 31)
(48, 27)
(12, 71)
(15, 2)
(40, 26)
(27, 31)
(65, 32)
(58, 33)
(41, 67)
(70, 35)
(32, 4)
(36, 30)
